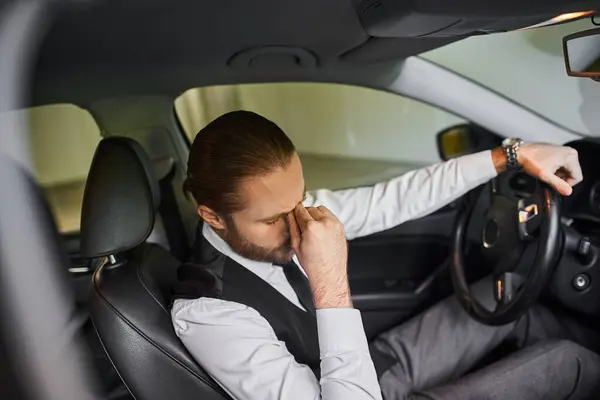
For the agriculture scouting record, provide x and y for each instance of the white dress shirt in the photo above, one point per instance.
(238, 347)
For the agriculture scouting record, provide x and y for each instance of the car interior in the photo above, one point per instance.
(126, 62)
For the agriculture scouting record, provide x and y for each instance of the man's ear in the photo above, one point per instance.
(211, 217)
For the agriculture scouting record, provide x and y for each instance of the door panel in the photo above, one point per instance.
(395, 273)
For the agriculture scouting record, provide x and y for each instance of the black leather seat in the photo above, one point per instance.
(130, 295)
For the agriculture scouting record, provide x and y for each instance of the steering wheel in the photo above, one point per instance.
(520, 235)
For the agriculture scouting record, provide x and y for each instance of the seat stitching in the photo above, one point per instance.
(138, 273)
(111, 360)
(143, 335)
(577, 379)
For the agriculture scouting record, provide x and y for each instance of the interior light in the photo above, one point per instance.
(562, 18)
(572, 15)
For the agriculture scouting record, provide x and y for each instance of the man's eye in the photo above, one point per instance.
(272, 222)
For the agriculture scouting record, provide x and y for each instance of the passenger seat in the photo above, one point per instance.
(131, 291)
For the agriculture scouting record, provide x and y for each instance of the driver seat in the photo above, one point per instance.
(131, 290)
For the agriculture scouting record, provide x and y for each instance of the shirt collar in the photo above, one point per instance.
(221, 246)
(258, 267)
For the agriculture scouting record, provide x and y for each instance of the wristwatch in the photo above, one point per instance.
(511, 147)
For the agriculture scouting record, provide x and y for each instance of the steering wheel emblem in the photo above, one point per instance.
(527, 213)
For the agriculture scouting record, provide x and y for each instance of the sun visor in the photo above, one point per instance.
(428, 18)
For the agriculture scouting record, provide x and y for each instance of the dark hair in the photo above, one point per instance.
(235, 146)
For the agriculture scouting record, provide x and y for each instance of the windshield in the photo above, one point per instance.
(528, 67)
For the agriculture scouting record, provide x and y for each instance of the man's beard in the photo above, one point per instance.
(245, 248)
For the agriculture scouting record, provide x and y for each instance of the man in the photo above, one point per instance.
(246, 311)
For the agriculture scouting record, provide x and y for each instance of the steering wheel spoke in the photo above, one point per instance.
(506, 286)
(529, 219)
(510, 260)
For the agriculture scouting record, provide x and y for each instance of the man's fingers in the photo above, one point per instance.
(294, 231)
(316, 213)
(568, 177)
(560, 185)
(573, 168)
(576, 174)
(327, 212)
(572, 181)
(556, 165)
(303, 217)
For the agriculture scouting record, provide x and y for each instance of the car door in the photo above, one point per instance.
(395, 273)
(399, 271)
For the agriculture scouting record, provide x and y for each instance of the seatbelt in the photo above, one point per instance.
(172, 221)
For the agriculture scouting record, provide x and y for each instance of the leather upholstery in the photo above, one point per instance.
(120, 199)
(130, 297)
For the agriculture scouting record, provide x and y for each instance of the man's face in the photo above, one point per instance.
(260, 231)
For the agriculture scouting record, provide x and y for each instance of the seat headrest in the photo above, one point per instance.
(120, 200)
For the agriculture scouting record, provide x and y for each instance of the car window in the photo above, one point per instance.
(346, 136)
(528, 67)
(62, 141)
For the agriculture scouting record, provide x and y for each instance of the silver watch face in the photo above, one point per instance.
(508, 142)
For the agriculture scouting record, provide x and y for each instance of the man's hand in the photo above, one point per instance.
(319, 240)
(556, 165)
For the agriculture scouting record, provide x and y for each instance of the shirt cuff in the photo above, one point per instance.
(340, 330)
(478, 167)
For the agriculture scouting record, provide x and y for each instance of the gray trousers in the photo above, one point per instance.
(435, 349)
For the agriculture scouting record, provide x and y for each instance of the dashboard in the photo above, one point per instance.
(583, 206)
(576, 280)
(584, 203)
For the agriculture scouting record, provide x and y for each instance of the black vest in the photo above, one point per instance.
(210, 273)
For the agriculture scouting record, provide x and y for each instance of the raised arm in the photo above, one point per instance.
(418, 193)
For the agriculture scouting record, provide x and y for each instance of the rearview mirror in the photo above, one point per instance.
(582, 54)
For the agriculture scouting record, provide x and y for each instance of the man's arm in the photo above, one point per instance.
(372, 209)
(418, 193)
(239, 349)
